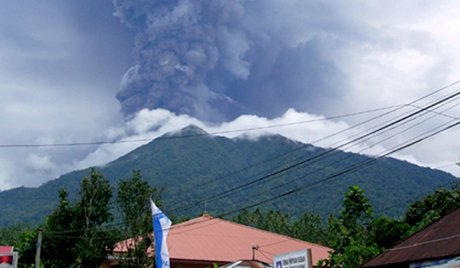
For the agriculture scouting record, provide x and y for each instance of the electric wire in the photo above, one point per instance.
(170, 137)
(313, 171)
(362, 137)
(375, 159)
(362, 164)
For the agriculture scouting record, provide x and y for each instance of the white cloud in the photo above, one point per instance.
(58, 86)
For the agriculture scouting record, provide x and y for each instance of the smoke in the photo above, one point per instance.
(217, 59)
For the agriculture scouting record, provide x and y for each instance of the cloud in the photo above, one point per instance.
(220, 59)
(149, 124)
(58, 80)
(299, 126)
(234, 63)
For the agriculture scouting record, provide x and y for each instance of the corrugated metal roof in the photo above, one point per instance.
(217, 240)
(441, 239)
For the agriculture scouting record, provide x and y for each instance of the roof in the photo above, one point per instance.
(439, 240)
(246, 264)
(217, 240)
(6, 249)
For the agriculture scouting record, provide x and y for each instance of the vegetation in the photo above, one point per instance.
(78, 231)
(201, 166)
(133, 200)
(355, 235)
(76, 234)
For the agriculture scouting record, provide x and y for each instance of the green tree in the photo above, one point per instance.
(27, 248)
(58, 248)
(75, 234)
(133, 200)
(431, 207)
(353, 245)
(276, 222)
(357, 210)
(332, 229)
(244, 217)
(386, 232)
(11, 236)
(93, 211)
(309, 228)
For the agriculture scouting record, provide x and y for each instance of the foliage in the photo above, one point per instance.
(27, 248)
(92, 211)
(11, 236)
(198, 167)
(386, 232)
(310, 227)
(353, 246)
(133, 200)
(431, 207)
(74, 234)
(354, 235)
(58, 242)
(272, 221)
(356, 210)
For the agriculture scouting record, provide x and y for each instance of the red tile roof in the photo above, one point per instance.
(439, 240)
(220, 241)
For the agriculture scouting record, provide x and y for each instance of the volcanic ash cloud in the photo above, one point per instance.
(215, 60)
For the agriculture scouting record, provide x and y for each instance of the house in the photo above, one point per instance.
(205, 241)
(436, 245)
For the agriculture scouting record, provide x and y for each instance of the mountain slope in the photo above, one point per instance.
(196, 166)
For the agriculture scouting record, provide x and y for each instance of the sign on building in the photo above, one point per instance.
(295, 259)
(9, 260)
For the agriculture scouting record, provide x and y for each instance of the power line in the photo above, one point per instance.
(365, 163)
(297, 164)
(193, 135)
(328, 178)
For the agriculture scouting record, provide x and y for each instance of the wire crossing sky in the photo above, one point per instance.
(85, 82)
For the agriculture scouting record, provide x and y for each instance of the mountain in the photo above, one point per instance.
(195, 166)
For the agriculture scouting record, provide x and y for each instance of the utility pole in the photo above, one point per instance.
(39, 247)
(310, 258)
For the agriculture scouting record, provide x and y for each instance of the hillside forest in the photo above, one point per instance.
(82, 233)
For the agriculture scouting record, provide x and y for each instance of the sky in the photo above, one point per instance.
(81, 71)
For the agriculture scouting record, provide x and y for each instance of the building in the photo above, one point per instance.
(436, 245)
(205, 241)
(8, 258)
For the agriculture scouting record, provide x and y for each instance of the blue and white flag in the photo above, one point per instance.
(161, 225)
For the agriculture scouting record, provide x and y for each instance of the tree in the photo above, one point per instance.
(386, 232)
(432, 207)
(93, 211)
(353, 245)
(277, 222)
(74, 234)
(11, 236)
(244, 217)
(357, 210)
(59, 249)
(309, 228)
(133, 200)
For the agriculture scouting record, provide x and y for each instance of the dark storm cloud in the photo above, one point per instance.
(62, 62)
(217, 59)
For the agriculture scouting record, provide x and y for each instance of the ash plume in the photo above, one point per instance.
(217, 59)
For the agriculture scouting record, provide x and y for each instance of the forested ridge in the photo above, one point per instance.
(225, 175)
